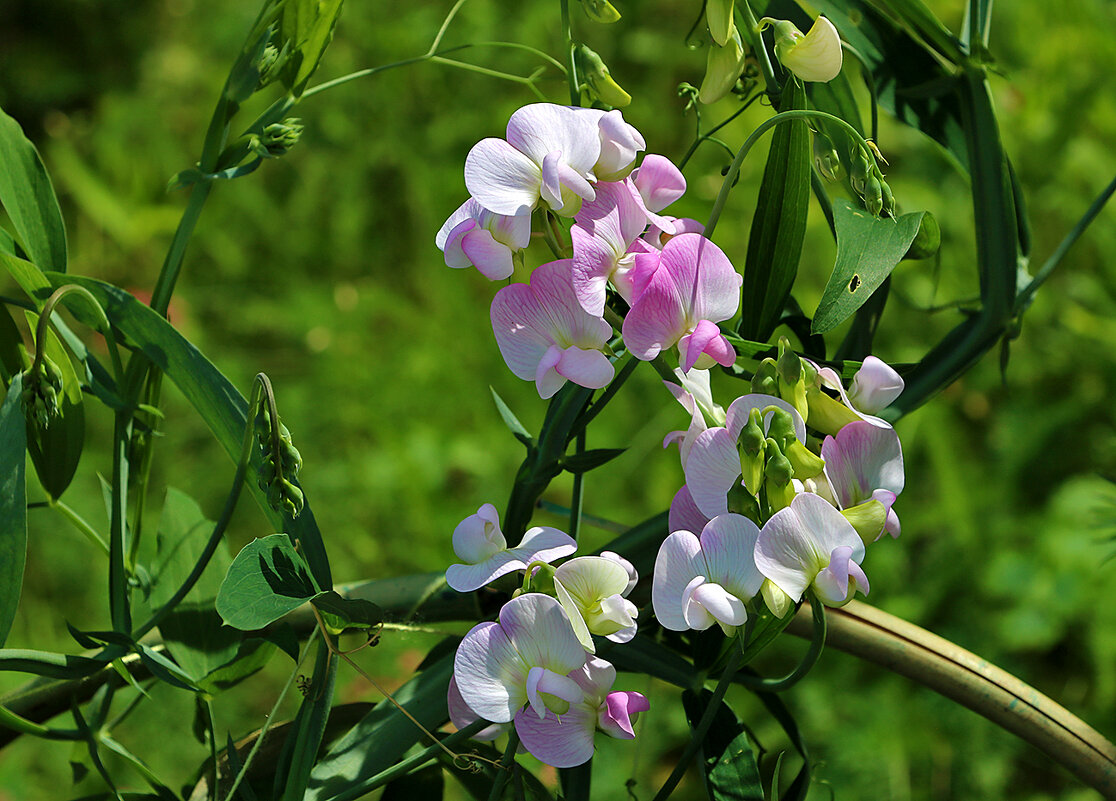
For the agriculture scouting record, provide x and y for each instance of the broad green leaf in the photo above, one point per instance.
(589, 460)
(13, 503)
(266, 580)
(215, 399)
(306, 27)
(29, 277)
(425, 783)
(779, 224)
(350, 761)
(730, 766)
(28, 197)
(193, 631)
(56, 449)
(346, 614)
(868, 248)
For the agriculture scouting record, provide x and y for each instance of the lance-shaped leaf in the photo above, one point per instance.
(589, 460)
(731, 772)
(868, 248)
(13, 504)
(306, 26)
(779, 224)
(266, 580)
(29, 199)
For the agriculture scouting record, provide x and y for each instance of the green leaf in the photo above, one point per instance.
(193, 631)
(28, 197)
(13, 503)
(266, 580)
(644, 655)
(345, 614)
(56, 449)
(868, 248)
(425, 783)
(589, 460)
(730, 766)
(11, 347)
(252, 655)
(300, 751)
(779, 224)
(214, 398)
(29, 277)
(350, 761)
(800, 787)
(306, 27)
(511, 421)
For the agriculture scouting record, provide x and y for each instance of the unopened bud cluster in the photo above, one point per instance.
(276, 477)
(276, 139)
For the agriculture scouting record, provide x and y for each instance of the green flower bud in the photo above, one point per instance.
(792, 383)
(777, 475)
(781, 428)
(276, 139)
(766, 378)
(777, 601)
(805, 462)
(718, 16)
(859, 170)
(867, 518)
(888, 199)
(751, 447)
(540, 578)
(873, 195)
(600, 11)
(41, 389)
(277, 479)
(598, 81)
(927, 240)
(827, 159)
(827, 415)
(722, 67)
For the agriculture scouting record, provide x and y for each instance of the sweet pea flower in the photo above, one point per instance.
(591, 590)
(811, 544)
(524, 658)
(713, 466)
(684, 514)
(695, 396)
(814, 56)
(479, 543)
(474, 236)
(874, 386)
(461, 715)
(658, 181)
(865, 463)
(707, 580)
(549, 153)
(619, 141)
(546, 337)
(566, 740)
(693, 287)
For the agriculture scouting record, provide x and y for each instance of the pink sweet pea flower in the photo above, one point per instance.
(657, 237)
(619, 142)
(566, 740)
(546, 337)
(697, 398)
(523, 659)
(693, 288)
(864, 463)
(707, 580)
(811, 544)
(550, 153)
(474, 236)
(479, 543)
(658, 182)
(713, 465)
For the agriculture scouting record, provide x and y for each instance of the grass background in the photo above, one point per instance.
(320, 270)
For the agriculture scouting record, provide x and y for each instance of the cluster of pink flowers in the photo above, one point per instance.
(769, 512)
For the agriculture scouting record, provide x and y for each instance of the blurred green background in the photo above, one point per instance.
(320, 269)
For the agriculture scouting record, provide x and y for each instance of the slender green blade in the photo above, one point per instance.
(779, 223)
(28, 197)
(13, 503)
(306, 26)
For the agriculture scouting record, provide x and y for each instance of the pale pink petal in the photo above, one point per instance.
(490, 674)
(861, 459)
(658, 237)
(643, 262)
(620, 142)
(520, 325)
(697, 617)
(493, 259)
(466, 578)
(563, 741)
(501, 178)
(832, 584)
(712, 469)
(702, 271)
(544, 544)
(619, 713)
(706, 339)
(728, 543)
(465, 212)
(725, 608)
(541, 633)
(587, 368)
(541, 128)
(461, 715)
(455, 256)
(551, 179)
(540, 681)
(684, 513)
(547, 378)
(660, 183)
(478, 536)
(677, 564)
(875, 386)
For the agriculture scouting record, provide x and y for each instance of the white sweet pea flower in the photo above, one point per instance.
(591, 590)
(814, 56)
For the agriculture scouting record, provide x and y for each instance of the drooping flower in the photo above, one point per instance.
(474, 236)
(693, 287)
(714, 463)
(707, 580)
(695, 396)
(592, 590)
(864, 463)
(479, 543)
(874, 386)
(549, 153)
(546, 337)
(524, 658)
(814, 56)
(566, 740)
(811, 544)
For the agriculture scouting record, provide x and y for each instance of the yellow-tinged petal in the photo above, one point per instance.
(815, 56)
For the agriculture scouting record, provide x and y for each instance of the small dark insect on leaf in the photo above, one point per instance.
(304, 684)
(854, 283)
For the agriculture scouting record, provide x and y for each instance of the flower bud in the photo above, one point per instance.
(859, 170)
(600, 11)
(792, 383)
(276, 139)
(873, 195)
(766, 378)
(751, 446)
(826, 158)
(41, 389)
(722, 67)
(777, 475)
(598, 80)
(814, 56)
(777, 601)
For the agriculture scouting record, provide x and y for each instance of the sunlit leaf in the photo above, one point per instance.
(306, 27)
(13, 504)
(346, 614)
(730, 766)
(28, 197)
(266, 580)
(868, 248)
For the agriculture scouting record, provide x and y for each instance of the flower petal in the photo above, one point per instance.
(541, 633)
(659, 182)
(619, 713)
(501, 178)
(684, 513)
(490, 673)
(461, 715)
(677, 564)
(564, 741)
(712, 469)
(541, 128)
(728, 543)
(466, 578)
(493, 259)
(544, 544)
(587, 368)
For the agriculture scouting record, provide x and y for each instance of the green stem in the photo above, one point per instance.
(503, 771)
(10, 720)
(261, 386)
(702, 137)
(609, 393)
(764, 127)
(817, 643)
(577, 496)
(571, 74)
(774, 90)
(698, 737)
(119, 600)
(78, 522)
